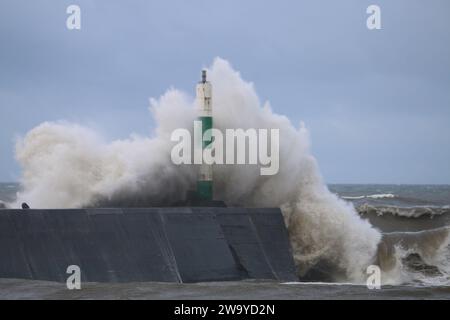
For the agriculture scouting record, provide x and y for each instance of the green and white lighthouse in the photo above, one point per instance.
(204, 105)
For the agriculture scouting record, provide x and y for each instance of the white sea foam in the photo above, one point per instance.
(371, 196)
(416, 257)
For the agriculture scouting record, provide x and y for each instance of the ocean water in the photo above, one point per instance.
(8, 191)
(414, 255)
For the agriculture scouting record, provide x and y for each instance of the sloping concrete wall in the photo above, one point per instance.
(183, 244)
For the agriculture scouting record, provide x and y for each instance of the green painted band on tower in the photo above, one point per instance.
(205, 190)
(205, 187)
(207, 123)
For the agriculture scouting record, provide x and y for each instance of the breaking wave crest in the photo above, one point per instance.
(371, 196)
(416, 257)
(408, 212)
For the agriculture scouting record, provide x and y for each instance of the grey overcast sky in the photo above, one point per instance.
(377, 102)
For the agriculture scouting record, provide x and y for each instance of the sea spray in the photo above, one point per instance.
(66, 165)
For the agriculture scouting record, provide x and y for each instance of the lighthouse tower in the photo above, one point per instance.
(204, 105)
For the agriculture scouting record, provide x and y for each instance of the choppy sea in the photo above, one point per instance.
(415, 217)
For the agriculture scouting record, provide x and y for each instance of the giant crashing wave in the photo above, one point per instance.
(65, 165)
